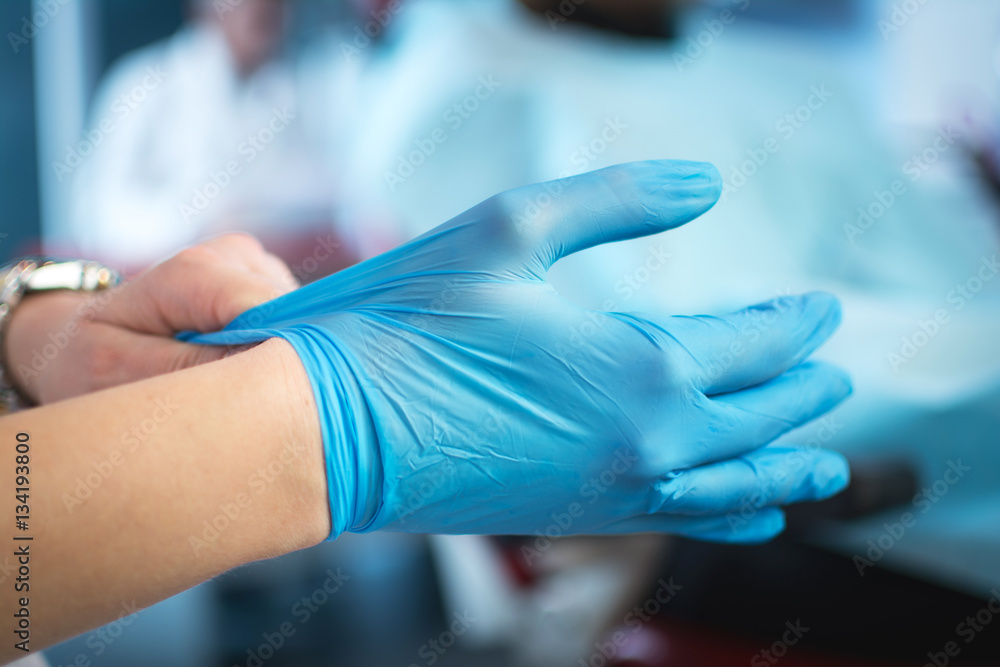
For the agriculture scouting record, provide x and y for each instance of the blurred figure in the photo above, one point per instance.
(201, 134)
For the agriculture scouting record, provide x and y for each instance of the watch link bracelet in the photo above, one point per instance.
(40, 274)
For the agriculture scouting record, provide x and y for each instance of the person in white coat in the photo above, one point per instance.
(200, 134)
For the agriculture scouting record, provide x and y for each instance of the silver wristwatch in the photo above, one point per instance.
(36, 274)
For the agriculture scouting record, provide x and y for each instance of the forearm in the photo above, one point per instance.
(135, 490)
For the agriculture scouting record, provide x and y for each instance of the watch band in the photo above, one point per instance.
(35, 274)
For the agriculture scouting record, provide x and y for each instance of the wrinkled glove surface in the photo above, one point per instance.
(459, 393)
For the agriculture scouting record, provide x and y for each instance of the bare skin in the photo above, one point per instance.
(64, 344)
(125, 484)
(239, 432)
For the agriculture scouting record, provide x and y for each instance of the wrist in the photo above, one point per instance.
(37, 335)
(295, 424)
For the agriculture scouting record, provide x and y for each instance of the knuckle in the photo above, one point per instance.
(670, 369)
(517, 221)
(282, 270)
(221, 306)
(189, 258)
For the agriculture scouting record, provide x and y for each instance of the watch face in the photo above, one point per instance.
(74, 274)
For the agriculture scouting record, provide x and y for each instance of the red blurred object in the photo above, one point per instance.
(366, 7)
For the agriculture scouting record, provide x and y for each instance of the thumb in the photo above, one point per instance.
(622, 202)
(126, 356)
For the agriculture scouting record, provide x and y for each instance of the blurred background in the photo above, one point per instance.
(859, 142)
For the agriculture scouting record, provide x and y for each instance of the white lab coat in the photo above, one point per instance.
(184, 149)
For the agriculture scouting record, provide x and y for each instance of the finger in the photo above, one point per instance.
(763, 526)
(225, 294)
(189, 291)
(280, 273)
(747, 420)
(245, 250)
(561, 217)
(758, 526)
(123, 357)
(751, 346)
(768, 477)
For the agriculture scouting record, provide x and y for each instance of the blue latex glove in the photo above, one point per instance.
(459, 393)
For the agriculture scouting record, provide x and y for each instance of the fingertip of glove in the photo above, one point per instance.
(826, 309)
(765, 525)
(769, 524)
(696, 180)
(831, 475)
(844, 386)
(837, 383)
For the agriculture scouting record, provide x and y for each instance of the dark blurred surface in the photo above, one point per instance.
(126, 25)
(751, 592)
(18, 165)
(120, 26)
(737, 601)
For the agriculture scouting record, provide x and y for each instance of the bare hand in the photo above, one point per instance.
(64, 344)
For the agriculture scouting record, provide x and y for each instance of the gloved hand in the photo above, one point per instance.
(458, 393)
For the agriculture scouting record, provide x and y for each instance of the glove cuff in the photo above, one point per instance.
(354, 472)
